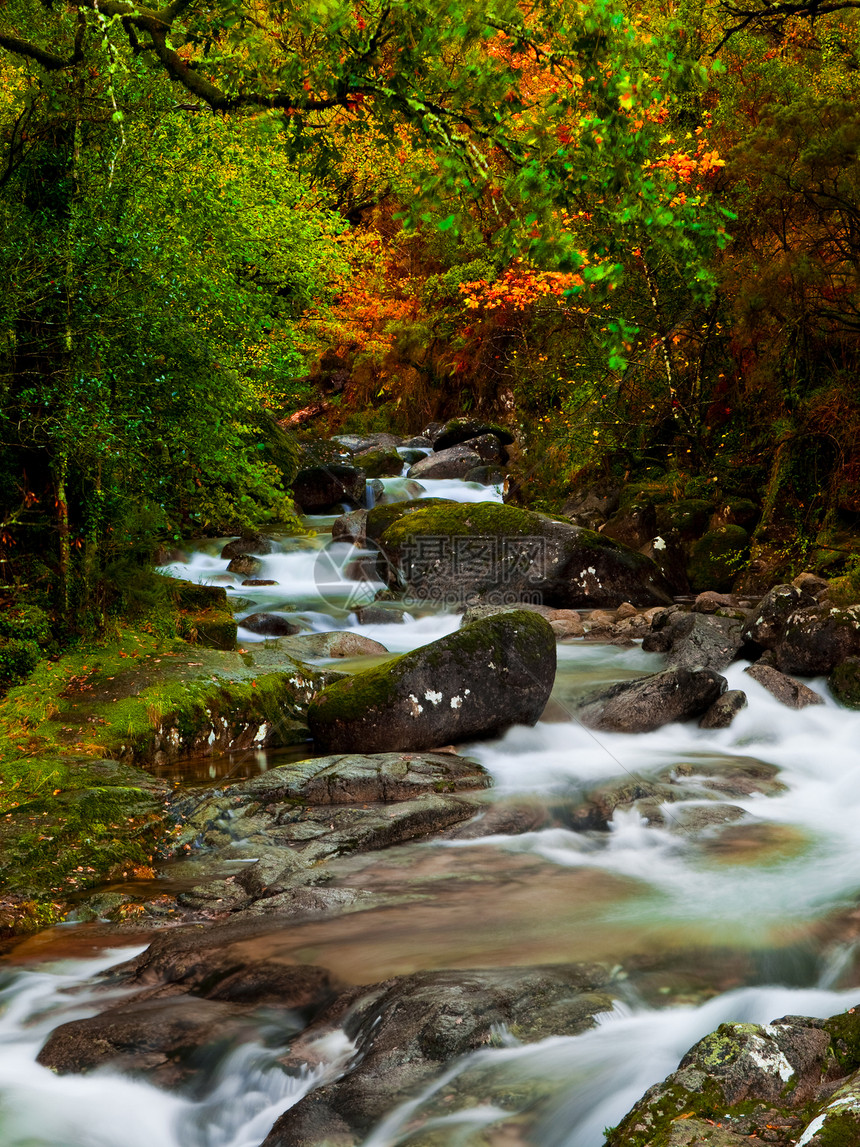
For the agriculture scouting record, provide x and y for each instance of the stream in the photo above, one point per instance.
(746, 921)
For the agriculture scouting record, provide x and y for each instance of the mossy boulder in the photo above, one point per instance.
(717, 557)
(771, 1082)
(688, 518)
(381, 517)
(844, 683)
(378, 462)
(474, 683)
(486, 552)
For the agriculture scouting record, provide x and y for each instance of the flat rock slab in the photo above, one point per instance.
(789, 691)
(409, 1028)
(357, 779)
(162, 1038)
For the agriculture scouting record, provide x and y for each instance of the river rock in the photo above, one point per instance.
(351, 527)
(485, 476)
(377, 462)
(357, 779)
(485, 552)
(792, 693)
(772, 1083)
(409, 1028)
(455, 462)
(270, 625)
(771, 615)
(317, 487)
(245, 565)
(338, 643)
(381, 613)
(383, 516)
(473, 683)
(465, 429)
(165, 1039)
(646, 703)
(355, 443)
(248, 544)
(818, 639)
(724, 710)
(704, 641)
(844, 683)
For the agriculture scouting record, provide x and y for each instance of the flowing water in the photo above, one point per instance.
(749, 920)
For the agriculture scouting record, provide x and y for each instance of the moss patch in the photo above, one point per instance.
(717, 558)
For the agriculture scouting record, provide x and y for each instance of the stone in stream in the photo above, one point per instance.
(704, 641)
(337, 643)
(844, 683)
(362, 778)
(455, 462)
(770, 617)
(792, 693)
(269, 625)
(487, 676)
(724, 710)
(795, 1080)
(409, 1028)
(818, 639)
(163, 1039)
(318, 487)
(486, 552)
(350, 528)
(245, 565)
(248, 544)
(378, 462)
(485, 476)
(647, 703)
(381, 613)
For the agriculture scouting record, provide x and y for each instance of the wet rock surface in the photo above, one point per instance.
(489, 548)
(792, 1081)
(647, 703)
(407, 1029)
(489, 675)
(793, 694)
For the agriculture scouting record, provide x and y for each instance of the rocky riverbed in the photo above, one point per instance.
(555, 821)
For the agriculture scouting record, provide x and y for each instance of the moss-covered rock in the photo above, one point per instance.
(487, 676)
(379, 463)
(773, 1082)
(716, 559)
(818, 639)
(464, 429)
(495, 553)
(688, 518)
(844, 683)
(381, 517)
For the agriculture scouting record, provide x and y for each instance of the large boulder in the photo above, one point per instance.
(647, 703)
(489, 552)
(378, 462)
(319, 487)
(716, 559)
(473, 683)
(770, 618)
(456, 462)
(791, 1081)
(703, 641)
(816, 640)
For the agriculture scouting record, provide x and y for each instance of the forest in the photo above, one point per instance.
(628, 231)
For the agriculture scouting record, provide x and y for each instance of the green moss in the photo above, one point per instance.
(351, 698)
(689, 517)
(717, 558)
(381, 517)
(840, 1129)
(190, 595)
(844, 683)
(216, 629)
(380, 463)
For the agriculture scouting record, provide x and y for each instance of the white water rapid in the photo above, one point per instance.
(745, 920)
